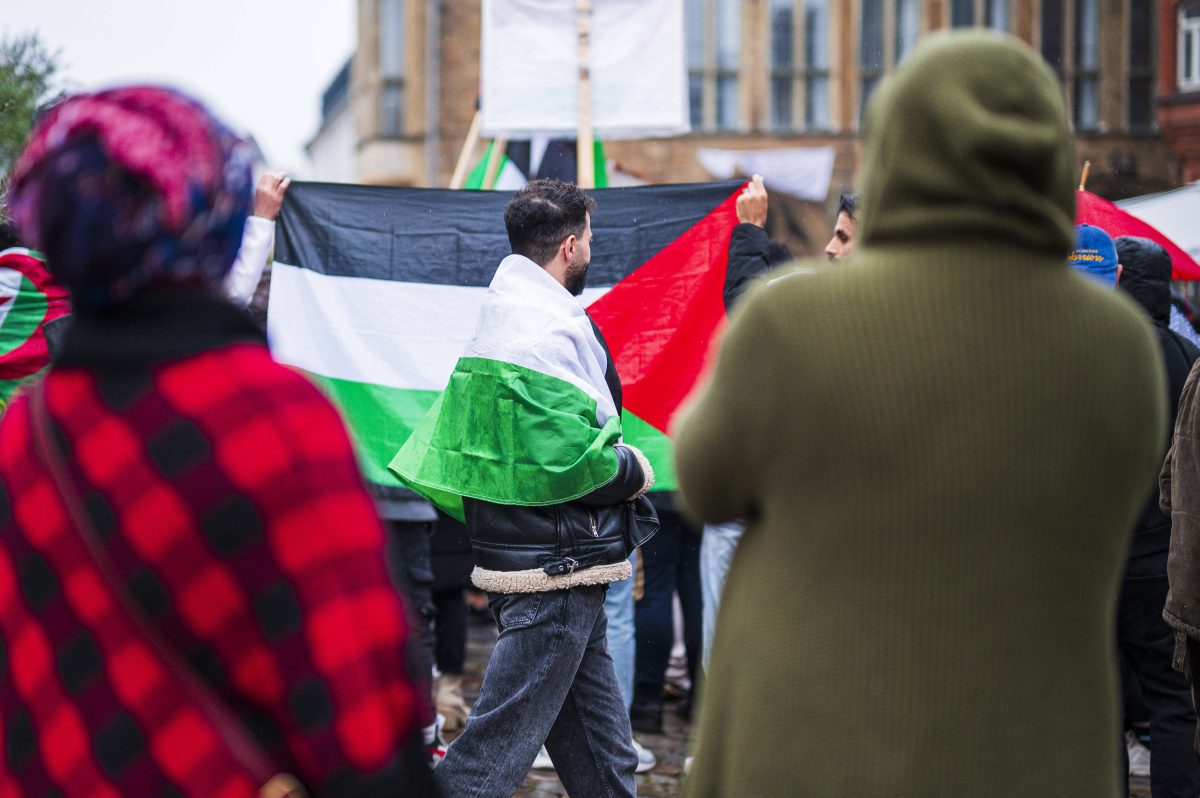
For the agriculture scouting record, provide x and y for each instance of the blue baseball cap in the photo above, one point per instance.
(1095, 255)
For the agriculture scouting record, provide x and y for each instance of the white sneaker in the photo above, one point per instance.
(542, 761)
(646, 758)
(1139, 755)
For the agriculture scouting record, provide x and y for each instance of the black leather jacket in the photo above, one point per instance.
(600, 528)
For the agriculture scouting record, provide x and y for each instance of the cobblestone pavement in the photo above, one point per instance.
(670, 747)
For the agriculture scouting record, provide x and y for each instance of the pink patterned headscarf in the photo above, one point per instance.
(131, 187)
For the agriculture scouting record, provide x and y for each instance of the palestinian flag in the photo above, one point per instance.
(30, 299)
(376, 293)
(535, 158)
(519, 423)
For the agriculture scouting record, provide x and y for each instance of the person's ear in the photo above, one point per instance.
(1120, 269)
(569, 246)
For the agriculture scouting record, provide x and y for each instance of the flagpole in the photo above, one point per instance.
(495, 157)
(464, 157)
(585, 155)
(1087, 167)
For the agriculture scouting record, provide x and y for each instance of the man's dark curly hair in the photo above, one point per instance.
(542, 214)
(848, 204)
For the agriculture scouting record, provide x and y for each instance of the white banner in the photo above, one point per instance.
(803, 172)
(530, 69)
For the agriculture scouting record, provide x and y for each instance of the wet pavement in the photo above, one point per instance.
(670, 747)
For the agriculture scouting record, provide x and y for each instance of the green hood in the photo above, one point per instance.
(969, 140)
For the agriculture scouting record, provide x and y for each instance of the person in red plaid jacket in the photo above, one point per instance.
(192, 585)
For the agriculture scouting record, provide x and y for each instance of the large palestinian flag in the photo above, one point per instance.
(30, 299)
(376, 292)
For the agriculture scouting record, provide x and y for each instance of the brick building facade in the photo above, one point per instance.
(1179, 82)
(770, 73)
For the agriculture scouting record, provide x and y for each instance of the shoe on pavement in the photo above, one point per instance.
(646, 758)
(450, 701)
(435, 746)
(542, 761)
(1139, 755)
(646, 719)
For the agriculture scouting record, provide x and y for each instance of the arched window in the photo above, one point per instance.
(1189, 47)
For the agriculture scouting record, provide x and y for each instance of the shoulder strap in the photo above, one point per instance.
(247, 751)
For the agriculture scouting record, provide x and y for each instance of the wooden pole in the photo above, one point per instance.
(492, 170)
(1087, 167)
(585, 155)
(468, 149)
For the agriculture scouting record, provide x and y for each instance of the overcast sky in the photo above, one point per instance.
(261, 65)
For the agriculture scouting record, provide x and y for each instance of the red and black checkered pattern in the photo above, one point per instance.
(227, 495)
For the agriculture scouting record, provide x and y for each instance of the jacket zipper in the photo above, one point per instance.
(592, 520)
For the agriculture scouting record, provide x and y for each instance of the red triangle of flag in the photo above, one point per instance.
(661, 320)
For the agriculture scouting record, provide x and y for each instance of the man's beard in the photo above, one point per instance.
(575, 279)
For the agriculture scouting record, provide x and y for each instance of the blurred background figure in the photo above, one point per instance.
(168, 577)
(1145, 643)
(845, 229)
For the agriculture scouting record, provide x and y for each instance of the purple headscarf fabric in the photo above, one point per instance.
(129, 188)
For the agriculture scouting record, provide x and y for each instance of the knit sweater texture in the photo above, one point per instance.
(940, 447)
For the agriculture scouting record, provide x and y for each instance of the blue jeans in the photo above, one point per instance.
(717, 546)
(618, 609)
(549, 680)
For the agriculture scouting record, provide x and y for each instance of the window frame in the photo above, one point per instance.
(800, 73)
(710, 76)
(981, 12)
(393, 89)
(1187, 26)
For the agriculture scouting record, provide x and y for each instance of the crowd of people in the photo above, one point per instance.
(918, 543)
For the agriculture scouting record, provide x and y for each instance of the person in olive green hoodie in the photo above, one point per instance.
(940, 448)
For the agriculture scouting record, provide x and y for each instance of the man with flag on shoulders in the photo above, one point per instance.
(525, 446)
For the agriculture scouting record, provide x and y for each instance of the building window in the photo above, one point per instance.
(908, 28)
(714, 45)
(800, 35)
(1052, 34)
(870, 51)
(1189, 47)
(997, 14)
(1087, 65)
(992, 13)
(1140, 110)
(392, 55)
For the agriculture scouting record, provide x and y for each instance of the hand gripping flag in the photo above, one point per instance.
(376, 292)
(30, 299)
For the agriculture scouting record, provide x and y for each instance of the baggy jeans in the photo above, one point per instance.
(549, 680)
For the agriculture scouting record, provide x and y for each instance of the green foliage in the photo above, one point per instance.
(27, 82)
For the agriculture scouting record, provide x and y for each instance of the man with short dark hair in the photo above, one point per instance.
(525, 447)
(845, 229)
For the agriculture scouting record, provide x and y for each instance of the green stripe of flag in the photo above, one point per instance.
(380, 419)
(508, 434)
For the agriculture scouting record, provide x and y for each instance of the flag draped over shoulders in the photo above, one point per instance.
(527, 417)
